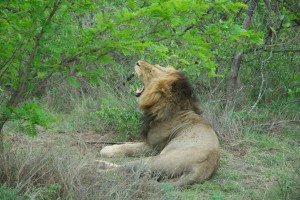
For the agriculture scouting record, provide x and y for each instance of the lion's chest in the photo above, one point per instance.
(159, 134)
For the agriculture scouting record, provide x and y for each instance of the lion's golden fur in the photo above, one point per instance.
(172, 125)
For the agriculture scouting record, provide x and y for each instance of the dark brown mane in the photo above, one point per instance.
(183, 94)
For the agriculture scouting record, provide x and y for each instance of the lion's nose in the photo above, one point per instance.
(137, 63)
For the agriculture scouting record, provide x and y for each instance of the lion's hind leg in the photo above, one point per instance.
(162, 165)
(199, 171)
(172, 165)
(195, 175)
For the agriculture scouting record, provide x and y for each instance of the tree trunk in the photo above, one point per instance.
(237, 59)
(2, 122)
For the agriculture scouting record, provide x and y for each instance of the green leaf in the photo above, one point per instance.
(29, 128)
(184, 61)
(41, 74)
(176, 21)
(73, 81)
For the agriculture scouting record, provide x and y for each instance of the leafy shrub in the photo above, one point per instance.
(123, 120)
(8, 193)
(29, 114)
(50, 191)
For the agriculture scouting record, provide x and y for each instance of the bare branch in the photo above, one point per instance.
(277, 123)
(76, 56)
(106, 142)
(261, 92)
(44, 84)
(236, 62)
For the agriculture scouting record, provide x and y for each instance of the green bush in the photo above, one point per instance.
(123, 120)
(8, 193)
(50, 191)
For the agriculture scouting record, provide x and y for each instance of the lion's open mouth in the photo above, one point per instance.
(138, 92)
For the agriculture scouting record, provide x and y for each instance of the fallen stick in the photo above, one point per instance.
(278, 123)
(106, 142)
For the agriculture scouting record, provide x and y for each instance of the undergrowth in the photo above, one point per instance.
(259, 152)
(60, 171)
(252, 166)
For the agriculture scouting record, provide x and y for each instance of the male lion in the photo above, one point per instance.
(187, 146)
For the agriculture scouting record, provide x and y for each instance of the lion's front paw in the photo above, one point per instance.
(103, 165)
(110, 151)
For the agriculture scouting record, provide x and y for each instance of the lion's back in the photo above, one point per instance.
(188, 130)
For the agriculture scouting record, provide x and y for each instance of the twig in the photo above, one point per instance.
(262, 91)
(278, 123)
(106, 142)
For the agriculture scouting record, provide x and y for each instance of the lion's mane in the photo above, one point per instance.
(182, 98)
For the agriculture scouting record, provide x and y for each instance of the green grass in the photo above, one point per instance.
(256, 162)
(8, 193)
(268, 170)
(252, 166)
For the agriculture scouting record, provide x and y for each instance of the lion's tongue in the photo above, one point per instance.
(138, 92)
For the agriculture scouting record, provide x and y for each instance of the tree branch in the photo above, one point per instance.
(262, 91)
(236, 62)
(16, 98)
(106, 142)
(277, 123)
(4, 67)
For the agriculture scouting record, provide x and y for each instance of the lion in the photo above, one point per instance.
(186, 146)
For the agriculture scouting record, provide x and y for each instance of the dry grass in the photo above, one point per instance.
(226, 123)
(61, 167)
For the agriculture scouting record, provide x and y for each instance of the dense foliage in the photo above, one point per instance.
(64, 65)
(46, 42)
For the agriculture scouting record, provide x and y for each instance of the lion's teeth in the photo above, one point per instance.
(138, 92)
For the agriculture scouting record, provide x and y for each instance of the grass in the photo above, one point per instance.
(258, 160)
(8, 193)
(267, 170)
(52, 166)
